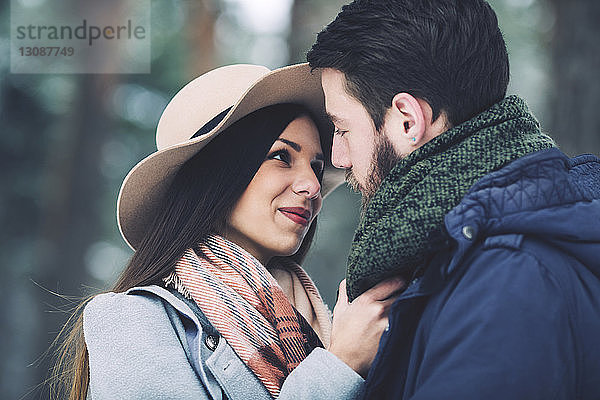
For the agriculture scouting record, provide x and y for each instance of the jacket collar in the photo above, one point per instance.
(169, 297)
(544, 194)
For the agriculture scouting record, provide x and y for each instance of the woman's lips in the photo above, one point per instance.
(297, 214)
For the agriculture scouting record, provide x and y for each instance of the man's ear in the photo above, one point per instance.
(405, 121)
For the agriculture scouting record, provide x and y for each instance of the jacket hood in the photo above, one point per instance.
(546, 195)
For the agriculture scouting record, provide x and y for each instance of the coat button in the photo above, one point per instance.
(211, 341)
(468, 232)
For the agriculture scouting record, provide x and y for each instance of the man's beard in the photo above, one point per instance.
(384, 158)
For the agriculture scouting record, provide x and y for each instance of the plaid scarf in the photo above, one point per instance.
(249, 309)
(403, 224)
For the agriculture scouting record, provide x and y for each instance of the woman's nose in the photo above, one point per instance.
(339, 153)
(307, 184)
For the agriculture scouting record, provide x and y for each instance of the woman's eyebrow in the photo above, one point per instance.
(293, 145)
(298, 148)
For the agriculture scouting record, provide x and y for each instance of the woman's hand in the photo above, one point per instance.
(358, 326)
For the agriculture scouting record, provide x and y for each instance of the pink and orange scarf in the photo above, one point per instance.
(250, 310)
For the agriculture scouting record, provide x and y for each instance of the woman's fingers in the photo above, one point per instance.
(383, 290)
(365, 318)
(342, 299)
(342, 295)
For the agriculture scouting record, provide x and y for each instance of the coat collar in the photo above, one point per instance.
(544, 194)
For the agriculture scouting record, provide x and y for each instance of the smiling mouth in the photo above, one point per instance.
(298, 215)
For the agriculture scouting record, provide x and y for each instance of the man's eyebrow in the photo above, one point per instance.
(334, 118)
(298, 148)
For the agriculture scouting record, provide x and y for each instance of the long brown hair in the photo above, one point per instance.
(198, 203)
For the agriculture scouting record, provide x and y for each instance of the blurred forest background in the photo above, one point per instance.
(67, 141)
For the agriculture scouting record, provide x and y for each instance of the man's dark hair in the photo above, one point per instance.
(449, 53)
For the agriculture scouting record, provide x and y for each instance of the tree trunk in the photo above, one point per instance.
(71, 218)
(574, 117)
(72, 208)
(200, 36)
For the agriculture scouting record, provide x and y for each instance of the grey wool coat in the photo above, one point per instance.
(147, 343)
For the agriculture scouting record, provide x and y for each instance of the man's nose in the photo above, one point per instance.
(339, 153)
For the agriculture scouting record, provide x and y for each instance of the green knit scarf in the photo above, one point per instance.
(395, 235)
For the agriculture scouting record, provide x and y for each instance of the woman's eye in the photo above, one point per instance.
(281, 155)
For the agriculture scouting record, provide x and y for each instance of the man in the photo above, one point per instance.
(496, 230)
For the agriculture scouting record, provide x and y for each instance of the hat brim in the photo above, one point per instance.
(145, 186)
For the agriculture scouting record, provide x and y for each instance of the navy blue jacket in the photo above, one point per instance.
(510, 309)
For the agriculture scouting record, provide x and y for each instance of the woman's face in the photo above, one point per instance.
(276, 209)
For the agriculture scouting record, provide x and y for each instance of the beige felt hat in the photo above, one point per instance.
(218, 98)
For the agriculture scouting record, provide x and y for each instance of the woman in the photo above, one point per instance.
(213, 304)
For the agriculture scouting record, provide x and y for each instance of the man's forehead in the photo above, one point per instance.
(337, 100)
(332, 79)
